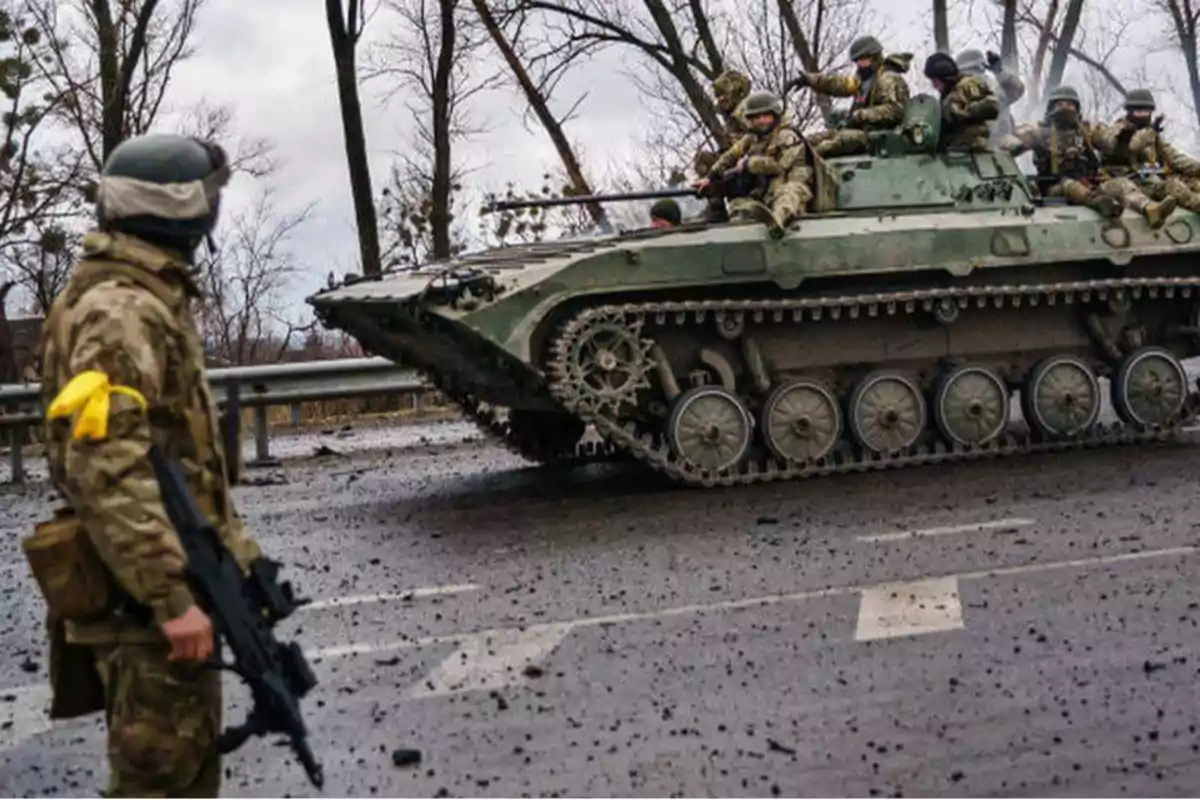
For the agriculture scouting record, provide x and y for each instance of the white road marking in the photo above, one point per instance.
(734, 605)
(491, 661)
(25, 716)
(909, 609)
(1190, 429)
(390, 597)
(975, 527)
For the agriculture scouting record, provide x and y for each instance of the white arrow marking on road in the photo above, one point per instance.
(390, 597)
(25, 715)
(975, 527)
(491, 660)
(908, 609)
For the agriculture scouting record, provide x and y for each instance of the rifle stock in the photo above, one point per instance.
(243, 609)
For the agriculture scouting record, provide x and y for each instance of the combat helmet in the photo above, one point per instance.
(941, 65)
(164, 188)
(971, 61)
(1063, 92)
(762, 103)
(1139, 100)
(864, 47)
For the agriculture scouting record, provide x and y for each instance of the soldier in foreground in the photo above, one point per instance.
(125, 319)
(1005, 84)
(730, 90)
(773, 159)
(1136, 143)
(968, 105)
(1065, 153)
(880, 95)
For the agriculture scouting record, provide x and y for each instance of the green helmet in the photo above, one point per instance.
(1063, 93)
(666, 209)
(1138, 99)
(164, 188)
(762, 103)
(865, 46)
(971, 61)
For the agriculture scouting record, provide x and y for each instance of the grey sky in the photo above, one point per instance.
(270, 59)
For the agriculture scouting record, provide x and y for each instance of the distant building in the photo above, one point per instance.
(25, 334)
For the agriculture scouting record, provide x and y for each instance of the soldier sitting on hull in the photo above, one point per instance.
(1064, 151)
(1135, 143)
(968, 104)
(1005, 84)
(769, 165)
(730, 90)
(880, 95)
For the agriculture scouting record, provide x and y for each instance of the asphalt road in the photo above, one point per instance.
(1000, 628)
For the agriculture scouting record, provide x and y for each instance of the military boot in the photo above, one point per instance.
(760, 213)
(1156, 213)
(1105, 205)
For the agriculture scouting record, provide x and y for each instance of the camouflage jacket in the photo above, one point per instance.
(966, 111)
(1126, 149)
(1060, 153)
(879, 102)
(130, 333)
(780, 155)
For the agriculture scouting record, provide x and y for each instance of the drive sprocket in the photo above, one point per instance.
(607, 363)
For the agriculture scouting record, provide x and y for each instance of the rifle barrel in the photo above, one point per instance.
(650, 194)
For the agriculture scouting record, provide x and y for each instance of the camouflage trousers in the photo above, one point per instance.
(1112, 195)
(163, 720)
(840, 142)
(1183, 191)
(789, 197)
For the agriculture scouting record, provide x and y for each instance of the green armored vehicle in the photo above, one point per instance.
(892, 327)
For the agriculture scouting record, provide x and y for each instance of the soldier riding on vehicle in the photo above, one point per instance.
(767, 170)
(968, 105)
(1065, 153)
(1005, 83)
(730, 90)
(880, 95)
(1134, 148)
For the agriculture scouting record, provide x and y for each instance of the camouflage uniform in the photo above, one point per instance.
(880, 98)
(127, 311)
(1130, 145)
(968, 105)
(777, 158)
(1005, 83)
(730, 89)
(1068, 151)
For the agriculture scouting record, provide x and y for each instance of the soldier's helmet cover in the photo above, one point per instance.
(164, 187)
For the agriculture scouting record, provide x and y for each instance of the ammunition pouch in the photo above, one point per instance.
(76, 585)
(75, 582)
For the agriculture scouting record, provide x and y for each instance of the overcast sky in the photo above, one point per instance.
(271, 61)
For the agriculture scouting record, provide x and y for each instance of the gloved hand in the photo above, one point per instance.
(993, 61)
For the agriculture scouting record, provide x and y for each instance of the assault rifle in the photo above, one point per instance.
(243, 612)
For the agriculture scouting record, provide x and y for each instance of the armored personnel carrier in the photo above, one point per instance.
(892, 327)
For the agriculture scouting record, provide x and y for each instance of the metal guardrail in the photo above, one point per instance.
(257, 387)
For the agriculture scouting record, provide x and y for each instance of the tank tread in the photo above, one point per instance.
(538, 450)
(655, 451)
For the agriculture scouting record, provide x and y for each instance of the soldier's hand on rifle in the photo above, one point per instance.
(190, 635)
(798, 82)
(702, 185)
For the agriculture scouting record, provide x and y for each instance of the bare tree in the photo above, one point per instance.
(537, 94)
(1185, 19)
(243, 315)
(941, 26)
(113, 63)
(345, 30)
(434, 54)
(253, 156)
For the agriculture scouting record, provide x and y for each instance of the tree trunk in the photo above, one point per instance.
(8, 355)
(1062, 48)
(682, 71)
(941, 27)
(1184, 19)
(439, 212)
(343, 37)
(538, 103)
(1039, 54)
(116, 75)
(1008, 36)
(806, 52)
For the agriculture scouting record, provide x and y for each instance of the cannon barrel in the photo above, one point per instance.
(650, 194)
